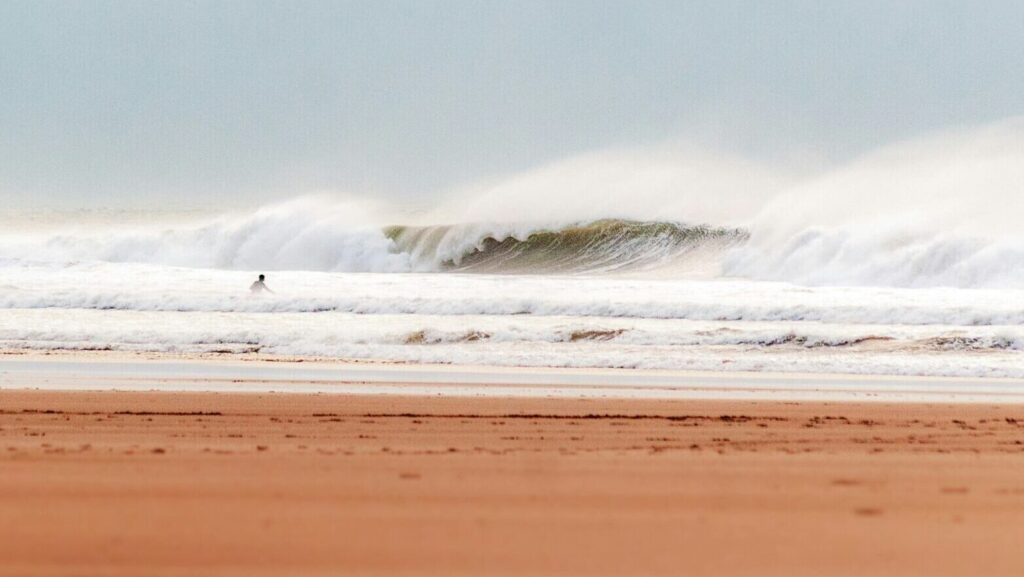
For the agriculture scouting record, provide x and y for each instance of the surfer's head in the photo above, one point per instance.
(262, 277)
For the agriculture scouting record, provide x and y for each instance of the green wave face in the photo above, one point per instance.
(601, 246)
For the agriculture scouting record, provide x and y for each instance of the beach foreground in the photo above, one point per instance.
(161, 483)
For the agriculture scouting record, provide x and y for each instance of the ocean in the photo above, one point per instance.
(598, 293)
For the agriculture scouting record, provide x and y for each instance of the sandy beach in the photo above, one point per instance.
(182, 483)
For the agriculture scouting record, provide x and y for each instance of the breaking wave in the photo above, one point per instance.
(304, 235)
(598, 247)
(943, 210)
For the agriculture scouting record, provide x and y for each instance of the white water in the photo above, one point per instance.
(559, 321)
(908, 261)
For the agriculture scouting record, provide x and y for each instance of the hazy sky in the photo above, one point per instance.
(145, 102)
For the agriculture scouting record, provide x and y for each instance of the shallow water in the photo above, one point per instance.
(515, 320)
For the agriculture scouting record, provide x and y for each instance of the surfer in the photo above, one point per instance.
(259, 286)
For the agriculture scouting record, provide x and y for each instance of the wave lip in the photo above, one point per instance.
(601, 246)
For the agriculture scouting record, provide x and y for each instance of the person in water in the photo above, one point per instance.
(259, 286)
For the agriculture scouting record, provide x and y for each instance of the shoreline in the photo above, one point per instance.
(223, 484)
(83, 371)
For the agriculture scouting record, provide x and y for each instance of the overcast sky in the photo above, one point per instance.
(112, 103)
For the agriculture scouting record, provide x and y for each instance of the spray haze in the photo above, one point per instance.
(938, 210)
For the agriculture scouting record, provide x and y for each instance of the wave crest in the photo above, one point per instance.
(308, 236)
(602, 246)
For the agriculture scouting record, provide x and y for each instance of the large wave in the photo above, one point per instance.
(308, 236)
(943, 210)
(602, 246)
(293, 238)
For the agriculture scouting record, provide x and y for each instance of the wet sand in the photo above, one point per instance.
(159, 483)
